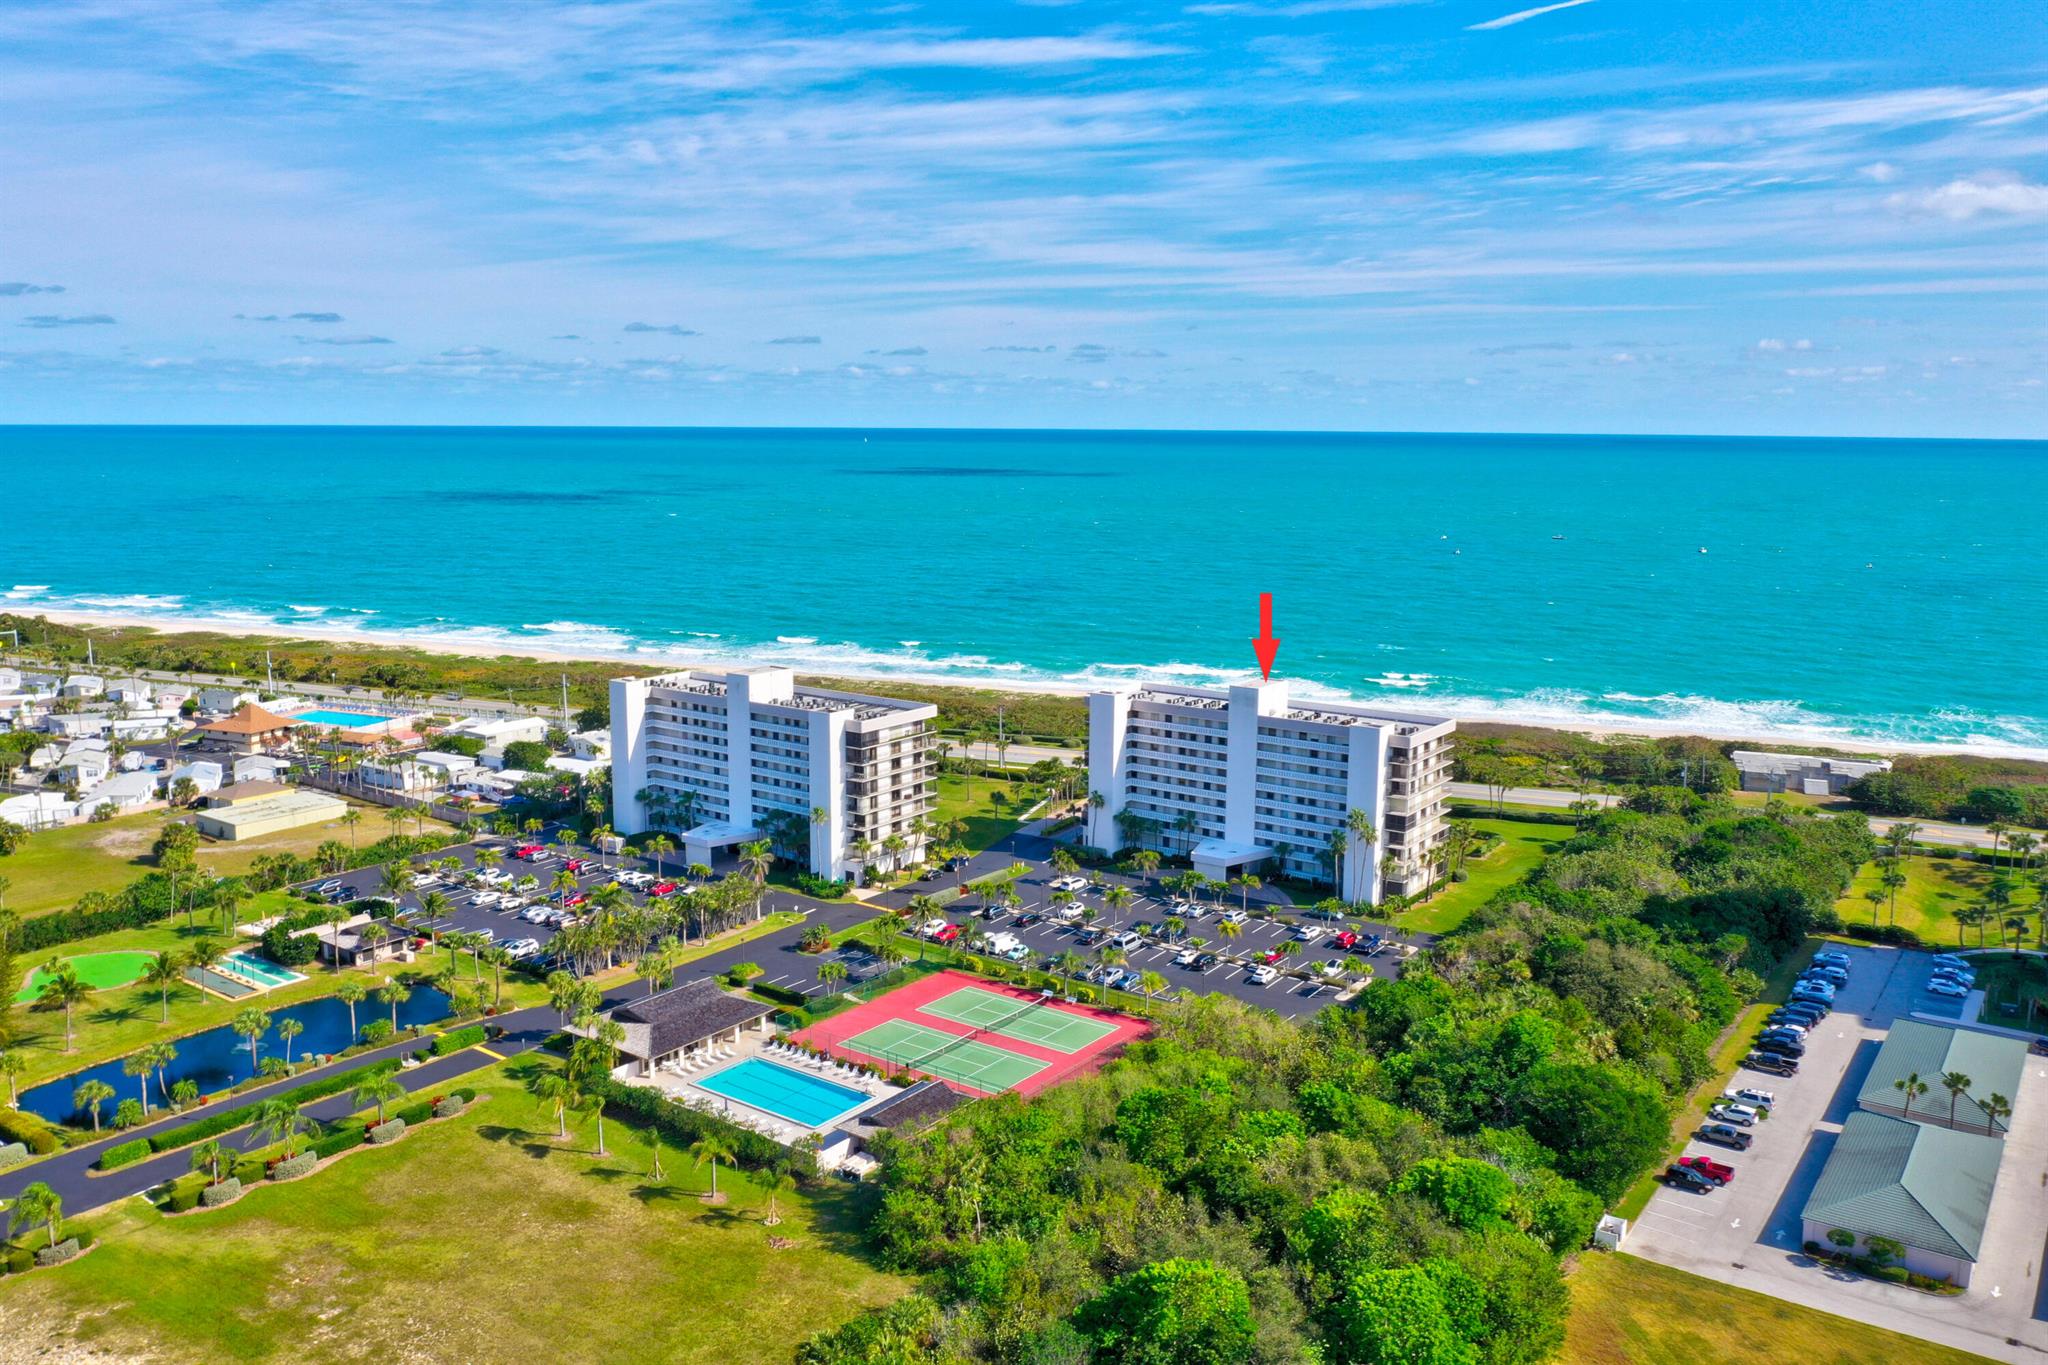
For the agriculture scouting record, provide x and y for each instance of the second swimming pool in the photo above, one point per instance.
(260, 970)
(346, 720)
(811, 1101)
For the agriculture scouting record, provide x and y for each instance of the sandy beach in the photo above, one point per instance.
(456, 643)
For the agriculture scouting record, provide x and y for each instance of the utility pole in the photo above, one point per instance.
(565, 702)
(269, 672)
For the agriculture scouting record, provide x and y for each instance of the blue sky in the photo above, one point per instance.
(1809, 216)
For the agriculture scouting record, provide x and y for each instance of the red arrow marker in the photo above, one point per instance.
(1266, 646)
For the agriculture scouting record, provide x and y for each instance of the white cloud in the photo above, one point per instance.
(1999, 193)
(1883, 172)
(1780, 344)
(1523, 16)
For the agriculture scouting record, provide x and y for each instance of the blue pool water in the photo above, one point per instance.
(259, 970)
(1882, 589)
(797, 1096)
(346, 720)
(218, 1057)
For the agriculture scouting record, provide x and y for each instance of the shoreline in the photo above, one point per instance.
(995, 679)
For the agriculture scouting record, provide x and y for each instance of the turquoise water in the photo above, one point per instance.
(1887, 589)
(811, 1101)
(347, 720)
(258, 970)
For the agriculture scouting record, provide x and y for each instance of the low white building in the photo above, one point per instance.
(130, 692)
(498, 731)
(76, 724)
(261, 768)
(140, 729)
(206, 775)
(123, 791)
(221, 700)
(592, 744)
(38, 810)
(575, 767)
(83, 685)
(1807, 774)
(84, 764)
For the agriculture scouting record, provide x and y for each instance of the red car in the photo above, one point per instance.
(1345, 938)
(576, 864)
(663, 889)
(945, 933)
(571, 902)
(1273, 958)
(1713, 1170)
(526, 850)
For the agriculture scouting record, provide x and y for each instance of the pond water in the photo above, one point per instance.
(219, 1057)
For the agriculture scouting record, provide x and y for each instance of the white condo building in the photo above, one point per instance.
(1238, 777)
(728, 758)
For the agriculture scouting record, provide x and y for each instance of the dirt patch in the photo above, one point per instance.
(126, 844)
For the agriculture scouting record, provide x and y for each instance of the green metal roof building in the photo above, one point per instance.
(1926, 1187)
(1930, 1051)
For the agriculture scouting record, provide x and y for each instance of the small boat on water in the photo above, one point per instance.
(1557, 537)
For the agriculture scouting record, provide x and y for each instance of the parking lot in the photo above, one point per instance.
(1748, 1233)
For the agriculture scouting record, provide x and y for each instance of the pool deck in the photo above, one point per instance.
(685, 1090)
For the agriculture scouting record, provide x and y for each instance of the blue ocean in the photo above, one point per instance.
(1890, 591)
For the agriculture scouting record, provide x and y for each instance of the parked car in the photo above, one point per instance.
(1187, 957)
(1029, 918)
(1832, 955)
(1345, 939)
(1755, 1099)
(1309, 933)
(1234, 917)
(1272, 957)
(1784, 1047)
(662, 888)
(1206, 961)
(1127, 940)
(1263, 975)
(1333, 967)
(1962, 976)
(945, 933)
(1724, 1135)
(526, 850)
(1733, 1113)
(1710, 1168)
(1774, 1063)
(1682, 1177)
(1944, 987)
(1949, 959)
(522, 947)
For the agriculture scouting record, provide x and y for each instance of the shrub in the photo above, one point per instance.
(448, 1106)
(339, 1139)
(124, 1154)
(18, 1125)
(292, 1168)
(60, 1253)
(229, 1119)
(182, 1200)
(457, 1039)
(740, 973)
(390, 1131)
(781, 995)
(414, 1113)
(13, 1154)
(821, 887)
(18, 1260)
(213, 1196)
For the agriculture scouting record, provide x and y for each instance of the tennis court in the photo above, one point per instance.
(952, 1057)
(977, 1035)
(1032, 1022)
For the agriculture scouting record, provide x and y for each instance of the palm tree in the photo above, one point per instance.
(39, 1205)
(161, 1055)
(755, 860)
(1146, 861)
(251, 1024)
(165, 972)
(63, 991)
(1891, 878)
(12, 1064)
(1363, 836)
(91, 1095)
(279, 1119)
(1901, 836)
(289, 1028)
(660, 846)
(379, 1088)
(559, 1092)
(183, 1093)
(136, 1064)
(1958, 1085)
(394, 993)
(1912, 1087)
(830, 974)
(351, 993)
(779, 1182)
(373, 937)
(1152, 984)
(709, 1151)
(1996, 829)
(1070, 964)
(1997, 1109)
(208, 1156)
(1116, 898)
(1229, 929)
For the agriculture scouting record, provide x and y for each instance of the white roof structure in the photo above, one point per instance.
(1793, 765)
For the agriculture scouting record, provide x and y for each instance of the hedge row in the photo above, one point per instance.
(780, 995)
(681, 1126)
(30, 1130)
(457, 1039)
(229, 1119)
(125, 1154)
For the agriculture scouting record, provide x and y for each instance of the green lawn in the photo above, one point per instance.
(987, 822)
(1523, 845)
(56, 866)
(1935, 889)
(101, 971)
(1628, 1311)
(477, 1238)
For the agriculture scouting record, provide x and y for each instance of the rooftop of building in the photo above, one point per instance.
(1925, 1187)
(861, 705)
(1993, 1063)
(1320, 713)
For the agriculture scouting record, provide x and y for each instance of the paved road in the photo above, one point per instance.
(1931, 831)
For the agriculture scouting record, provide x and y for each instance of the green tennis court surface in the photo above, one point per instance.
(966, 1060)
(1037, 1023)
(101, 971)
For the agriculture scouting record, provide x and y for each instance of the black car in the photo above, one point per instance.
(1775, 1063)
(1206, 961)
(1029, 918)
(1723, 1135)
(1686, 1178)
(1784, 1047)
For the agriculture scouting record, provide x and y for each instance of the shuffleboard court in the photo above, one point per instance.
(1031, 1020)
(101, 971)
(952, 1057)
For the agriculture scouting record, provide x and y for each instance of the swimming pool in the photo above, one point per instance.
(811, 1101)
(346, 720)
(259, 970)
